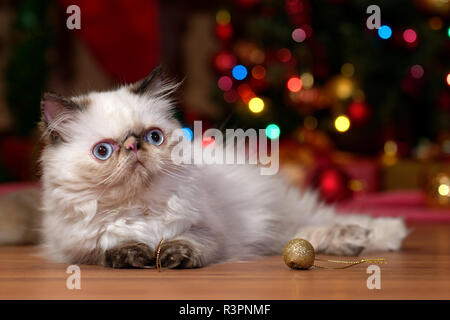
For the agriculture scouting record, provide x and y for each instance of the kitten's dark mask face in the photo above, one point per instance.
(110, 140)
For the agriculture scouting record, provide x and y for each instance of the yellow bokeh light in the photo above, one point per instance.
(223, 17)
(390, 148)
(307, 80)
(344, 88)
(444, 190)
(342, 123)
(256, 105)
(257, 56)
(348, 69)
(356, 185)
(435, 23)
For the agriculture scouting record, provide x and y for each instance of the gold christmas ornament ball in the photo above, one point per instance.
(299, 254)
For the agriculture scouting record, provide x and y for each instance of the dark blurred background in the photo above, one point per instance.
(357, 111)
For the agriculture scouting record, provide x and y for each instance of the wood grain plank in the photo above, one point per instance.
(419, 271)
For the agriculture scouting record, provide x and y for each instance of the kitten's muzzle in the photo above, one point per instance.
(132, 143)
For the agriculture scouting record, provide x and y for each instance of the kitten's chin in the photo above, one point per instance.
(139, 176)
(128, 189)
(132, 183)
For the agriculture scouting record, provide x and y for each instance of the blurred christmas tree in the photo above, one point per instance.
(28, 65)
(297, 65)
(25, 76)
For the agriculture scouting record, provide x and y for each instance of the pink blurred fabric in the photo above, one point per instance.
(15, 186)
(408, 204)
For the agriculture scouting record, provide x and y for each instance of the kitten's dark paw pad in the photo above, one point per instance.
(178, 254)
(131, 255)
(348, 240)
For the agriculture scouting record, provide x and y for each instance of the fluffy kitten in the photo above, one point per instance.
(110, 192)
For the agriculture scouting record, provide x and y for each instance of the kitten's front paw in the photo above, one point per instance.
(179, 254)
(130, 255)
(347, 240)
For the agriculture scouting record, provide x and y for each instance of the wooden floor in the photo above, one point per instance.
(420, 271)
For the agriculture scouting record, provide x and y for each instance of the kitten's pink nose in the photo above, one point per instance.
(131, 143)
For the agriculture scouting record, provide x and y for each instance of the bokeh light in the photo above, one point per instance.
(307, 80)
(208, 141)
(409, 35)
(284, 55)
(258, 72)
(385, 32)
(230, 96)
(390, 148)
(435, 23)
(417, 71)
(239, 72)
(294, 84)
(225, 83)
(359, 112)
(444, 190)
(273, 131)
(448, 32)
(348, 69)
(224, 31)
(224, 61)
(298, 35)
(256, 105)
(448, 79)
(342, 123)
(223, 17)
(187, 132)
(257, 56)
(245, 92)
(344, 88)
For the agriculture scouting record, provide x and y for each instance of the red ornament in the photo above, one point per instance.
(359, 112)
(332, 184)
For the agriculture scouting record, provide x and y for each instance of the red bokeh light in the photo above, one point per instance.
(359, 112)
(224, 31)
(294, 84)
(224, 61)
(409, 35)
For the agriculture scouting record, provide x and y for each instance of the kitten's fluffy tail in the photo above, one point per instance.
(19, 217)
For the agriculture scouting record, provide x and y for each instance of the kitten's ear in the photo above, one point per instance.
(56, 112)
(156, 84)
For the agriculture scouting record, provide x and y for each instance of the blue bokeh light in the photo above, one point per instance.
(188, 133)
(239, 72)
(384, 32)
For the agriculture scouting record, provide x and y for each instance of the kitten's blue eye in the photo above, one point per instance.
(154, 136)
(103, 150)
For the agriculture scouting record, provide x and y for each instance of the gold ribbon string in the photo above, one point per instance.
(349, 263)
(158, 260)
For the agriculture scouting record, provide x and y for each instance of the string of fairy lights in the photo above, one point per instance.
(239, 73)
(239, 84)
